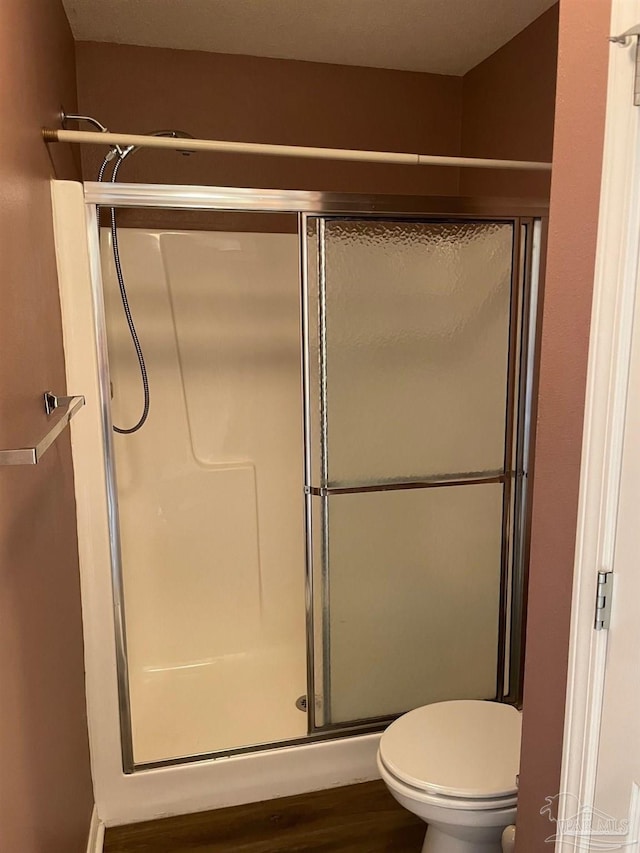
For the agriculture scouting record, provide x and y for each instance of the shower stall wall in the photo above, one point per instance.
(209, 490)
(323, 522)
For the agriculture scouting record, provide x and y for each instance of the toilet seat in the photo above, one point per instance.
(458, 754)
(429, 798)
(442, 803)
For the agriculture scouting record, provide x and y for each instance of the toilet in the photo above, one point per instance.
(455, 765)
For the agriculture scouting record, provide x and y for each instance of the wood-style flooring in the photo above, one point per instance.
(356, 819)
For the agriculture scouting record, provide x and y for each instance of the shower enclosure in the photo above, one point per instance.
(323, 523)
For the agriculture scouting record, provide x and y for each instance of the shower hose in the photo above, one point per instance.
(125, 300)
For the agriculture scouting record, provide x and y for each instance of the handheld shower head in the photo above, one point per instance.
(66, 117)
(118, 154)
(172, 134)
(117, 151)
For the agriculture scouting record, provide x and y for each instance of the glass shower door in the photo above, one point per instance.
(410, 366)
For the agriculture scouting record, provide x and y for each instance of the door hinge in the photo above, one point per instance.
(623, 40)
(604, 594)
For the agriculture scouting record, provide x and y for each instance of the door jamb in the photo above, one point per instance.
(616, 271)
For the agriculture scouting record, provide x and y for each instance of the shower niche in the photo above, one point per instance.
(328, 499)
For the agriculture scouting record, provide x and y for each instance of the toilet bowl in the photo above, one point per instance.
(454, 764)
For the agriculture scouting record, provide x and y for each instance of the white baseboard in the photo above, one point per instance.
(95, 841)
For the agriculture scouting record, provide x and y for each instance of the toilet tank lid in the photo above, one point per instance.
(463, 748)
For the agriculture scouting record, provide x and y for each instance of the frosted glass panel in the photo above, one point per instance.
(416, 348)
(413, 598)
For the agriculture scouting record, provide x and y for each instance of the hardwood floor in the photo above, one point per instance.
(359, 819)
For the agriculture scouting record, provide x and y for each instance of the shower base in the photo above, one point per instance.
(218, 704)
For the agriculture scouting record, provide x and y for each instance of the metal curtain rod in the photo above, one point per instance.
(220, 146)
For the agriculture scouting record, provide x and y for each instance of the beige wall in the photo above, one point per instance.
(140, 89)
(575, 190)
(502, 108)
(508, 103)
(45, 785)
(43, 737)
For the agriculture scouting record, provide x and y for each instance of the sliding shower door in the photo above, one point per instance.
(303, 554)
(412, 338)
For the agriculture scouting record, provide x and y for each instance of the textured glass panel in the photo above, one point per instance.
(412, 598)
(416, 348)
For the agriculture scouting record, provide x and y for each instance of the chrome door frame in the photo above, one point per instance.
(526, 231)
(303, 203)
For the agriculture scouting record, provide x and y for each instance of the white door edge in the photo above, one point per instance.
(616, 271)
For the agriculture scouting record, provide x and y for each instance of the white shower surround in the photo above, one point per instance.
(123, 798)
(208, 783)
(210, 491)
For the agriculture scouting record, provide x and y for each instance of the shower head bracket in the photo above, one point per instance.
(67, 117)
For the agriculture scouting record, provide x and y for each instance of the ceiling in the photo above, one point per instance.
(438, 36)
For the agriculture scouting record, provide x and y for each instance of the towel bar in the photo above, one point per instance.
(32, 455)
